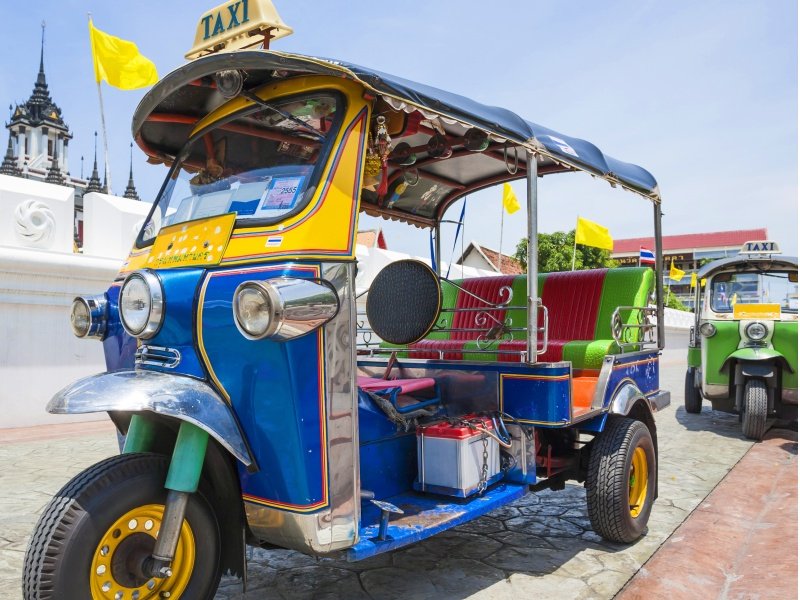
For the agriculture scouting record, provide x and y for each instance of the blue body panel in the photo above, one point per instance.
(276, 390)
(119, 347)
(177, 331)
(425, 516)
(539, 397)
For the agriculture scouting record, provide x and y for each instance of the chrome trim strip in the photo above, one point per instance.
(162, 393)
(158, 356)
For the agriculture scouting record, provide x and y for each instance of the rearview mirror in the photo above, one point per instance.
(723, 277)
(793, 276)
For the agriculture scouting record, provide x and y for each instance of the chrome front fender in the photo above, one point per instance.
(175, 396)
(628, 394)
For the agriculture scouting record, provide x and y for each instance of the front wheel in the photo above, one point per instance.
(692, 400)
(94, 536)
(621, 481)
(754, 420)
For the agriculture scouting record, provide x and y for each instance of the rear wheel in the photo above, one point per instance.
(692, 400)
(620, 484)
(94, 536)
(754, 420)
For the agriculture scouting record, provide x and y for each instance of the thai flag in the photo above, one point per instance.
(646, 257)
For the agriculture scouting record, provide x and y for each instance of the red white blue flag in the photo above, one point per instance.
(646, 257)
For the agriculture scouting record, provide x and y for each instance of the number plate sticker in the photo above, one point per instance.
(193, 244)
(746, 312)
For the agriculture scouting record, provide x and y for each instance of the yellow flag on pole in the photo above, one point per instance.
(510, 201)
(693, 283)
(119, 61)
(593, 234)
(674, 272)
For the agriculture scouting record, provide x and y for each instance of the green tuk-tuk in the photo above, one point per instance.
(743, 346)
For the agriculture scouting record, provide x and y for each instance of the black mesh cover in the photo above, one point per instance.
(404, 301)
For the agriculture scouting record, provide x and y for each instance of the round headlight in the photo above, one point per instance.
(708, 329)
(254, 308)
(79, 317)
(756, 331)
(141, 304)
(89, 316)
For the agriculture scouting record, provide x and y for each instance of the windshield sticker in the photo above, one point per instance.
(209, 205)
(282, 194)
(248, 196)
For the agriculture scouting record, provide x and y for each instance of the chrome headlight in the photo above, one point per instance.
(756, 331)
(283, 308)
(89, 316)
(141, 304)
(708, 329)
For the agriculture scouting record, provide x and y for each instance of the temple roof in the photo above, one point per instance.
(40, 109)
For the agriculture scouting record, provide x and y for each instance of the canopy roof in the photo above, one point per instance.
(166, 117)
(755, 261)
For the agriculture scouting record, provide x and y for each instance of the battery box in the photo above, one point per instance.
(450, 456)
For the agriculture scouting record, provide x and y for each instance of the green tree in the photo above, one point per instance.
(555, 253)
(671, 300)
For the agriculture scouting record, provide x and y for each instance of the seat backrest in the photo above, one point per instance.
(572, 299)
(629, 286)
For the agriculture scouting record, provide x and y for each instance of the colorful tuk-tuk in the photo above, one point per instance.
(743, 346)
(260, 407)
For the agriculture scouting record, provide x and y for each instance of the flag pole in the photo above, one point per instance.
(106, 172)
(500, 251)
(575, 247)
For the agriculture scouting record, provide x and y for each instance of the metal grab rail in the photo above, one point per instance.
(642, 332)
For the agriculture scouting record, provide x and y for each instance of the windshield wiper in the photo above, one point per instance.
(306, 127)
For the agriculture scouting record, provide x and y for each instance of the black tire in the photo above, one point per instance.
(58, 563)
(754, 419)
(609, 481)
(692, 400)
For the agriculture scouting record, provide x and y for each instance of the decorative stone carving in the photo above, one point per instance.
(35, 223)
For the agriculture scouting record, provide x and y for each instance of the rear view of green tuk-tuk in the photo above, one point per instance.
(743, 346)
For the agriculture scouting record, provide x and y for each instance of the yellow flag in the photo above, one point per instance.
(674, 272)
(593, 234)
(693, 282)
(510, 201)
(703, 282)
(119, 62)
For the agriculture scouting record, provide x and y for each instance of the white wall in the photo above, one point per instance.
(39, 354)
(110, 224)
(36, 215)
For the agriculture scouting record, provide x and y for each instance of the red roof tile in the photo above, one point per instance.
(509, 265)
(688, 241)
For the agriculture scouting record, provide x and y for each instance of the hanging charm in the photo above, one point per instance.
(383, 146)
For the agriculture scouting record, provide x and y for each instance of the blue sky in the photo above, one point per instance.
(702, 94)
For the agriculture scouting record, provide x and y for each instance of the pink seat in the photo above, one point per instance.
(406, 386)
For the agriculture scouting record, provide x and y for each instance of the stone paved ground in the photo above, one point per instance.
(541, 546)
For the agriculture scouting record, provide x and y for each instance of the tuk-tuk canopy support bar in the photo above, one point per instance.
(533, 257)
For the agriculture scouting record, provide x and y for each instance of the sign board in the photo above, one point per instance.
(760, 247)
(236, 25)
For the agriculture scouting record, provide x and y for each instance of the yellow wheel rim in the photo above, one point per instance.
(637, 482)
(130, 538)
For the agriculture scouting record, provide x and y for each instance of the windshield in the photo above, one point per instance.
(260, 165)
(729, 289)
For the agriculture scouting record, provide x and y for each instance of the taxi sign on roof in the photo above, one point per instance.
(760, 247)
(235, 25)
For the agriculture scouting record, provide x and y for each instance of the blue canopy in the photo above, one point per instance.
(183, 93)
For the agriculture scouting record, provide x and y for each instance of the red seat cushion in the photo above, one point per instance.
(572, 299)
(406, 386)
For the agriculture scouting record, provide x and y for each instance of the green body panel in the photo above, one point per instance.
(622, 287)
(588, 354)
(784, 340)
(717, 349)
(693, 357)
(140, 435)
(187, 459)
